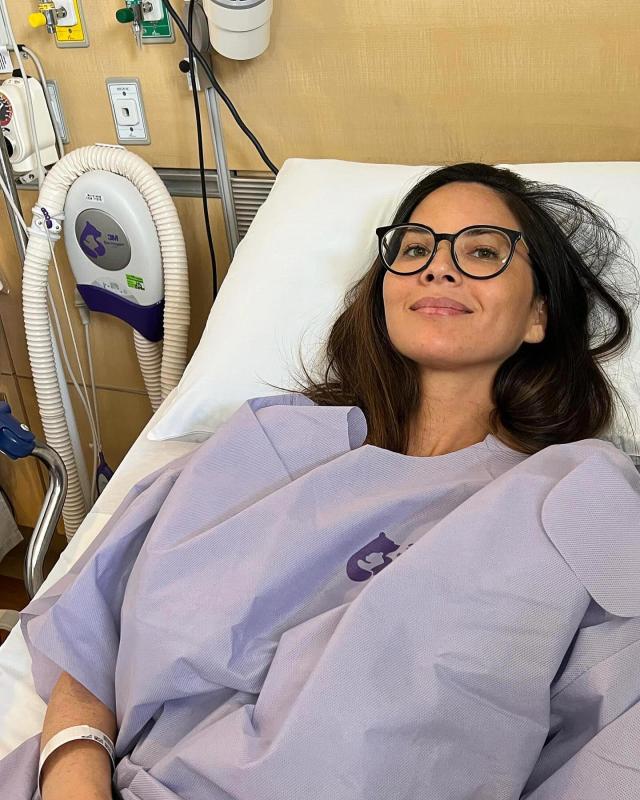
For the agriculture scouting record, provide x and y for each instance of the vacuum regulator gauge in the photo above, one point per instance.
(6, 110)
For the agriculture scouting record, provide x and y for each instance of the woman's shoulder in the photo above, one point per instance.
(598, 451)
(280, 399)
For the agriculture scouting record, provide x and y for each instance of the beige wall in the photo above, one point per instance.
(416, 82)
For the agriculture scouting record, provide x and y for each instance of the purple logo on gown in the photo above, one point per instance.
(375, 557)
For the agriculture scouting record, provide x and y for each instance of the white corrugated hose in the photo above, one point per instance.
(36, 317)
(150, 360)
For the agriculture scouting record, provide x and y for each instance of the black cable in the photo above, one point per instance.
(203, 180)
(209, 72)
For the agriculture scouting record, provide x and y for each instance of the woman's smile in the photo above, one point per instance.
(434, 311)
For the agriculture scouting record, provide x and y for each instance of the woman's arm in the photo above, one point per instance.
(79, 770)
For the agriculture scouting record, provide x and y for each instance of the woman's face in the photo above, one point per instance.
(503, 313)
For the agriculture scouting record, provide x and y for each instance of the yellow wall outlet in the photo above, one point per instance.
(75, 35)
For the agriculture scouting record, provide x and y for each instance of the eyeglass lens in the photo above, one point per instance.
(480, 251)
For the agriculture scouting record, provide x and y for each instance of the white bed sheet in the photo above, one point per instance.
(21, 709)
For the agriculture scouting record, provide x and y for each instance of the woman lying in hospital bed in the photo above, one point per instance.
(416, 578)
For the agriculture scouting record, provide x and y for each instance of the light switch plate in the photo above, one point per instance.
(128, 111)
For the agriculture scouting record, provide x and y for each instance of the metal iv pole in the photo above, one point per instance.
(224, 176)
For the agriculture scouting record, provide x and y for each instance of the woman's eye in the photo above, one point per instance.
(486, 250)
(415, 247)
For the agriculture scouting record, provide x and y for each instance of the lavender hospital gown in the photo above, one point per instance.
(287, 614)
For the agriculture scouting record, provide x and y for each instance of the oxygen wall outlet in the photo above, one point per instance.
(156, 25)
(152, 10)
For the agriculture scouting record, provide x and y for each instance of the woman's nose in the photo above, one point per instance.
(442, 265)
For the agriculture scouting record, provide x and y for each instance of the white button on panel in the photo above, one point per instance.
(128, 110)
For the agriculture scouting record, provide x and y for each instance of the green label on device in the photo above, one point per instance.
(135, 282)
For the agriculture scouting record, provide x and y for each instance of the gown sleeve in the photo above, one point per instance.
(74, 625)
(593, 518)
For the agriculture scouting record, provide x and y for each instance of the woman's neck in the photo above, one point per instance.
(454, 414)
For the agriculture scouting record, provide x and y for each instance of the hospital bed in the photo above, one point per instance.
(310, 240)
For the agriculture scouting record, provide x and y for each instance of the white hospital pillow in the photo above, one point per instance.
(310, 240)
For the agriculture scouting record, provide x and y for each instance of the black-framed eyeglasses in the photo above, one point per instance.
(479, 251)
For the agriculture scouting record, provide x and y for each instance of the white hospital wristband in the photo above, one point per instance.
(77, 733)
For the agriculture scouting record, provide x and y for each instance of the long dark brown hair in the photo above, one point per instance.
(544, 394)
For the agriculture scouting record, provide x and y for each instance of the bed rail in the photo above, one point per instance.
(17, 441)
(48, 518)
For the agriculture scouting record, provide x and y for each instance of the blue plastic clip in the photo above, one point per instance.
(47, 217)
(16, 440)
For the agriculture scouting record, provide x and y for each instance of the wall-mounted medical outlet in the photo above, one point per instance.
(128, 112)
(152, 10)
(61, 18)
(71, 15)
(149, 21)
(71, 30)
(156, 25)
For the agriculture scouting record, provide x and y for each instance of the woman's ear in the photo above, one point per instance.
(537, 322)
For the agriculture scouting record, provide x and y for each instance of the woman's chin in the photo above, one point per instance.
(442, 361)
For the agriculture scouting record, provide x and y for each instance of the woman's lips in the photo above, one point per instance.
(434, 311)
